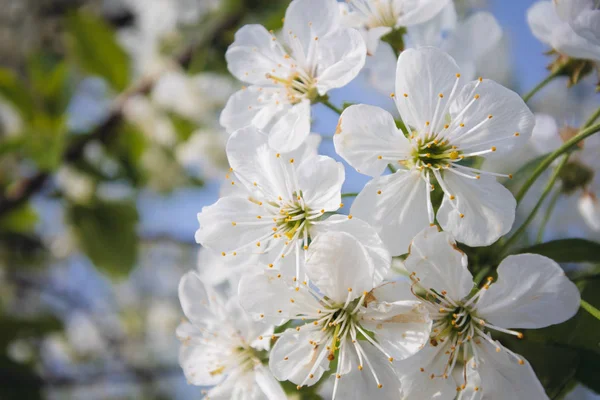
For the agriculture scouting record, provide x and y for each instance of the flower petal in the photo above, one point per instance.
(302, 24)
(481, 30)
(396, 206)
(231, 224)
(502, 377)
(321, 180)
(439, 264)
(367, 138)
(418, 11)
(253, 106)
(254, 54)
(360, 384)
(293, 357)
(543, 19)
(197, 301)
(291, 129)
(532, 291)
(494, 115)
(401, 327)
(488, 210)
(422, 74)
(267, 297)
(268, 384)
(339, 265)
(198, 364)
(365, 234)
(341, 55)
(589, 207)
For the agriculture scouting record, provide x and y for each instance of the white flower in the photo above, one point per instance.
(571, 27)
(469, 42)
(377, 18)
(221, 346)
(449, 122)
(315, 56)
(342, 314)
(278, 209)
(531, 291)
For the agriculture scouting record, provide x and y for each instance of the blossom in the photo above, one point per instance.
(449, 123)
(531, 291)
(280, 204)
(571, 27)
(315, 56)
(469, 42)
(377, 18)
(221, 346)
(342, 314)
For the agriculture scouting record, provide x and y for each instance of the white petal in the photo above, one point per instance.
(417, 12)
(198, 364)
(416, 373)
(587, 25)
(341, 56)
(423, 74)
(321, 180)
(487, 206)
(340, 266)
(401, 327)
(268, 384)
(568, 10)
(542, 19)
(439, 264)
(305, 24)
(481, 30)
(291, 129)
(381, 69)
(496, 115)
(589, 207)
(532, 291)
(254, 54)
(434, 31)
(293, 357)
(567, 41)
(502, 377)
(373, 36)
(398, 213)
(360, 384)
(196, 300)
(366, 133)
(365, 234)
(252, 106)
(231, 224)
(267, 296)
(545, 138)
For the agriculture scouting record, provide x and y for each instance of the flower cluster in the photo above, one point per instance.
(313, 297)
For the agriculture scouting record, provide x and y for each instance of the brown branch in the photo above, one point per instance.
(27, 187)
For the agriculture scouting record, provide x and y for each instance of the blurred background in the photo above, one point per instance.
(109, 146)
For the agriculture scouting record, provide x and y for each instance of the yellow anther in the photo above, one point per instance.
(453, 155)
(405, 95)
(521, 362)
(446, 126)
(360, 367)
(452, 197)
(480, 79)
(510, 176)
(349, 289)
(493, 148)
(257, 244)
(291, 160)
(392, 95)
(391, 359)
(350, 216)
(462, 215)
(258, 217)
(477, 96)
(379, 157)
(490, 116)
(223, 254)
(270, 265)
(441, 95)
(379, 192)
(277, 155)
(458, 75)
(379, 386)
(233, 224)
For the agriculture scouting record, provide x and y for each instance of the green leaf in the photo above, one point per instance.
(93, 45)
(20, 220)
(107, 234)
(46, 140)
(14, 91)
(567, 250)
(49, 80)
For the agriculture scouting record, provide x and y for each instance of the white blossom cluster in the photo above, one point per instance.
(311, 297)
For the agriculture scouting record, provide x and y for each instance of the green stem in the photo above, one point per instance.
(549, 78)
(592, 119)
(549, 211)
(567, 146)
(392, 168)
(349, 195)
(327, 103)
(590, 308)
(531, 216)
